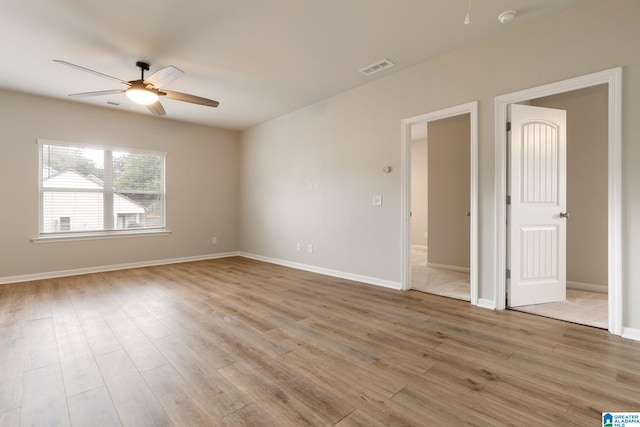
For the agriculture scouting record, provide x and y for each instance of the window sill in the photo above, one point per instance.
(99, 235)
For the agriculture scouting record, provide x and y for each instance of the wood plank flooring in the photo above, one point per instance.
(237, 342)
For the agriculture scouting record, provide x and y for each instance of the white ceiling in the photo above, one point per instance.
(259, 58)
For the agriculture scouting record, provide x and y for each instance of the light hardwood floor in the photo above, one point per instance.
(236, 342)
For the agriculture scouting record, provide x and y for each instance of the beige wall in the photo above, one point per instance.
(202, 184)
(309, 175)
(586, 182)
(419, 209)
(449, 191)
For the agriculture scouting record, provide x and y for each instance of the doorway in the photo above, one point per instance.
(440, 197)
(441, 265)
(611, 79)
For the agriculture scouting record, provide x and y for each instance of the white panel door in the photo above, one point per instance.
(537, 216)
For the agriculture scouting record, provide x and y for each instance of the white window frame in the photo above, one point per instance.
(107, 233)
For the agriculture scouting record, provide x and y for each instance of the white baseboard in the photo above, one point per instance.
(325, 271)
(449, 267)
(103, 268)
(486, 303)
(603, 289)
(631, 333)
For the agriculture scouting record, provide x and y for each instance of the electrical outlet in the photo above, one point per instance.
(377, 200)
(214, 240)
(310, 248)
(298, 247)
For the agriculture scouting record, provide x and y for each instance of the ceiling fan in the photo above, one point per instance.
(146, 91)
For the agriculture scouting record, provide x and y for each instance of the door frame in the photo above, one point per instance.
(613, 79)
(470, 108)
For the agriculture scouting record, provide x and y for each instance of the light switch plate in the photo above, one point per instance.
(377, 200)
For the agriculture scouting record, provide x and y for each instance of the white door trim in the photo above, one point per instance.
(470, 108)
(613, 78)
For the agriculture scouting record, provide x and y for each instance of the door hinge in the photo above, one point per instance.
(508, 274)
(508, 126)
(508, 200)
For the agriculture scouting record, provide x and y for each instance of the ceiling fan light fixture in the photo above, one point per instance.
(139, 94)
(145, 91)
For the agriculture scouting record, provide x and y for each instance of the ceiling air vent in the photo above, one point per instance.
(375, 67)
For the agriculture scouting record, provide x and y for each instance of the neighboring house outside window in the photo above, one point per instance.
(65, 223)
(86, 189)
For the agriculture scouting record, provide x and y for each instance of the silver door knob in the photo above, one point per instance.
(564, 215)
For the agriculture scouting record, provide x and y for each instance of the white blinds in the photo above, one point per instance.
(86, 189)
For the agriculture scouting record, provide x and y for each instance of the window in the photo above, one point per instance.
(86, 189)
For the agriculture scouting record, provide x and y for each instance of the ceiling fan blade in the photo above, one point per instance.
(164, 76)
(156, 109)
(99, 93)
(69, 64)
(178, 96)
